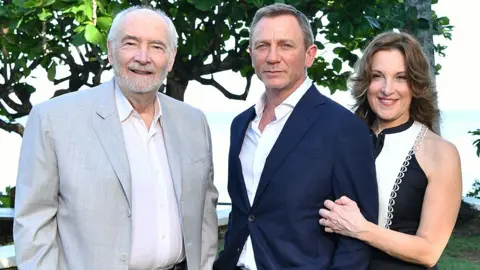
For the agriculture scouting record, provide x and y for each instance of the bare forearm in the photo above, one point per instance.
(410, 248)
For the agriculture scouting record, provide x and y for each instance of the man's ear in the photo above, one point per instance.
(171, 59)
(110, 52)
(310, 55)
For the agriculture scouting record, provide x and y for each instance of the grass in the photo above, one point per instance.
(463, 249)
(461, 253)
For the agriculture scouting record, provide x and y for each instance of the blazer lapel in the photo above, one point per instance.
(172, 146)
(238, 135)
(109, 131)
(300, 121)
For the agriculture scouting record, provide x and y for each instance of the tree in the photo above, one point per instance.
(50, 33)
(423, 29)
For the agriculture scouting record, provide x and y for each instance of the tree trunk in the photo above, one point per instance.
(424, 34)
(176, 89)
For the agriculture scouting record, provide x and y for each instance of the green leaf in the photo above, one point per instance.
(52, 70)
(346, 30)
(79, 29)
(258, 3)
(92, 34)
(320, 45)
(48, 3)
(88, 11)
(32, 3)
(104, 23)
(203, 5)
(19, 3)
(103, 44)
(79, 40)
(45, 15)
(337, 65)
(334, 17)
(244, 32)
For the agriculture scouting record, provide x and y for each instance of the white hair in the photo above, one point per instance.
(172, 32)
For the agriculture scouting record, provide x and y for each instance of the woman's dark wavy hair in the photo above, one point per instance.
(422, 87)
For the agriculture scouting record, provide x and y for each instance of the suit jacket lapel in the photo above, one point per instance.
(238, 135)
(109, 131)
(172, 145)
(300, 121)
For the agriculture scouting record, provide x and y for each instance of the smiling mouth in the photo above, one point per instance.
(387, 101)
(141, 72)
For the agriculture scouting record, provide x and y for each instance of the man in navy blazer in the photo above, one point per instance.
(288, 154)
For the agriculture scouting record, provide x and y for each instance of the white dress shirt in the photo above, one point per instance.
(157, 240)
(255, 150)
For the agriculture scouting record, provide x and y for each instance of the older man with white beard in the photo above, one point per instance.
(119, 176)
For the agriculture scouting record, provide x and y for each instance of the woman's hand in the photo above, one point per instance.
(343, 217)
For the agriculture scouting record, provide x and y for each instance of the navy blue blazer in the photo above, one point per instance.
(323, 152)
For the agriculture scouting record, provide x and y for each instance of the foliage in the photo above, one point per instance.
(213, 37)
(476, 143)
(5, 199)
(475, 193)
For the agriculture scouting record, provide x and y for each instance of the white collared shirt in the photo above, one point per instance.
(255, 150)
(157, 240)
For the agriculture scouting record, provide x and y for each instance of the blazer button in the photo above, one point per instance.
(251, 218)
(123, 256)
(128, 213)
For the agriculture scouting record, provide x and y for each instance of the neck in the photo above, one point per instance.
(143, 103)
(276, 96)
(379, 126)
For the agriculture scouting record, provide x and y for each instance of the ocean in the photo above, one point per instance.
(454, 127)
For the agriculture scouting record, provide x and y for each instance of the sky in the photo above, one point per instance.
(457, 89)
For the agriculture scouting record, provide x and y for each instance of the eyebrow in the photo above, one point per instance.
(376, 70)
(127, 37)
(277, 41)
(130, 37)
(159, 42)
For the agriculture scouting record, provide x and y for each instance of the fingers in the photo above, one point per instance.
(344, 200)
(324, 213)
(325, 222)
(329, 204)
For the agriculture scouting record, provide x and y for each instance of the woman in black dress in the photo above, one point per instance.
(418, 172)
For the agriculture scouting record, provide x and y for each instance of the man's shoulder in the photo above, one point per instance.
(345, 116)
(245, 114)
(179, 108)
(73, 100)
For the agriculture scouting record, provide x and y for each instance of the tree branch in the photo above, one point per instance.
(9, 127)
(226, 64)
(12, 104)
(55, 82)
(224, 91)
(80, 54)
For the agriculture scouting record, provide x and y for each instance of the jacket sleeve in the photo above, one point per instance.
(210, 221)
(35, 224)
(355, 177)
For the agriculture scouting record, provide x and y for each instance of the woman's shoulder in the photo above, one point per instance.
(436, 154)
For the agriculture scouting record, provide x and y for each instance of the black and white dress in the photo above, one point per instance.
(401, 187)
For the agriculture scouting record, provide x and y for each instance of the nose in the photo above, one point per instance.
(388, 87)
(273, 56)
(142, 56)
